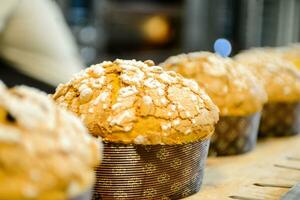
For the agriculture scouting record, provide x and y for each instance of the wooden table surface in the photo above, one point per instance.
(266, 173)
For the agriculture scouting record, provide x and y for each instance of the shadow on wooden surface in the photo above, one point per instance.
(266, 173)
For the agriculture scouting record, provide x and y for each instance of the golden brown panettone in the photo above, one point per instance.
(45, 152)
(280, 77)
(135, 102)
(231, 86)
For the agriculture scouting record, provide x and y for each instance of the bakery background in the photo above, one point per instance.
(143, 29)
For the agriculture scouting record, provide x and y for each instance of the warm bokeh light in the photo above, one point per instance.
(157, 29)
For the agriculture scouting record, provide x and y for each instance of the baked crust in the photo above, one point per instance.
(45, 151)
(290, 53)
(232, 87)
(281, 78)
(135, 102)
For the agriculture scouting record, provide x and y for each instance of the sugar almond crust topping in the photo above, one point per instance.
(45, 152)
(281, 77)
(233, 88)
(134, 102)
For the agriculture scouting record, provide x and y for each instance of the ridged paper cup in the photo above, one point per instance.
(131, 172)
(280, 119)
(235, 135)
(84, 196)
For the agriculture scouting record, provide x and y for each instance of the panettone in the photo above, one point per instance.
(45, 152)
(280, 77)
(233, 88)
(134, 102)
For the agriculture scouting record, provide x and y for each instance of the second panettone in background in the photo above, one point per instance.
(237, 93)
(156, 125)
(281, 79)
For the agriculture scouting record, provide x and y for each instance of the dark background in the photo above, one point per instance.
(156, 29)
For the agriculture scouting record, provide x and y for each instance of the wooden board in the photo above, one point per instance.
(266, 173)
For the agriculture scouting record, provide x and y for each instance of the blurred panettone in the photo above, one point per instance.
(135, 102)
(291, 53)
(45, 152)
(231, 86)
(280, 77)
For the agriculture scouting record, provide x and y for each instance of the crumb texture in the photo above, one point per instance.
(45, 151)
(233, 88)
(136, 102)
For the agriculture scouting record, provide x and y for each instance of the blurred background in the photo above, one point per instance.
(156, 29)
(44, 42)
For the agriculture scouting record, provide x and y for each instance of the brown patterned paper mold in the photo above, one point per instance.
(235, 135)
(150, 171)
(280, 119)
(156, 125)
